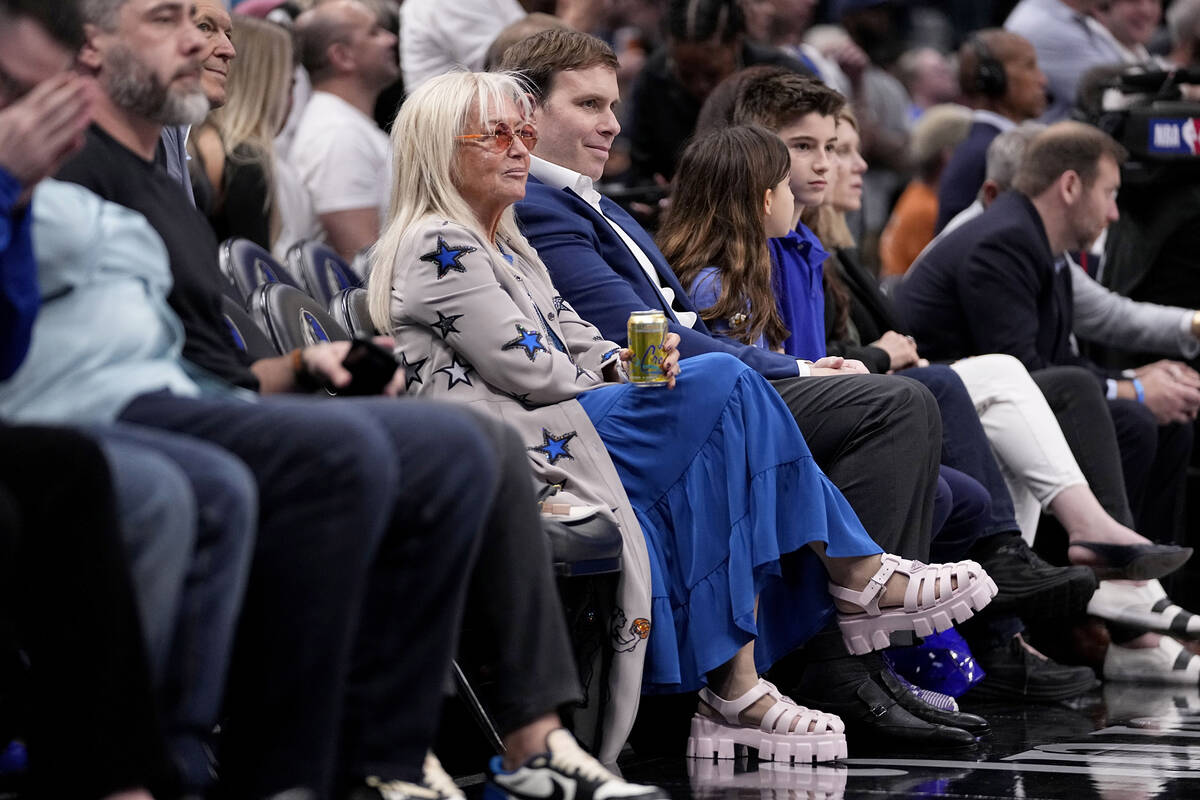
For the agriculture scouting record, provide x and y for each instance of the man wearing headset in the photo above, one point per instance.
(1001, 80)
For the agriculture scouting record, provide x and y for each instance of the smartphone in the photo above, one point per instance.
(370, 366)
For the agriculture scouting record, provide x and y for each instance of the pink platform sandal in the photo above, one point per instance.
(931, 603)
(774, 737)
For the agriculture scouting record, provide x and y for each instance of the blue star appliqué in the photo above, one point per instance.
(412, 371)
(609, 354)
(529, 341)
(456, 373)
(554, 339)
(445, 325)
(447, 258)
(555, 447)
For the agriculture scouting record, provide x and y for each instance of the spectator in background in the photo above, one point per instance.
(1068, 42)
(339, 152)
(254, 194)
(525, 26)
(881, 105)
(1183, 25)
(1131, 24)
(1001, 80)
(929, 78)
(706, 43)
(914, 218)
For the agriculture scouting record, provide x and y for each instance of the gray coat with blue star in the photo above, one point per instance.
(473, 328)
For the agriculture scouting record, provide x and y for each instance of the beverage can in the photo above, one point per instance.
(647, 334)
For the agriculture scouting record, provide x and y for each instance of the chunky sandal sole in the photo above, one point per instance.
(712, 739)
(863, 633)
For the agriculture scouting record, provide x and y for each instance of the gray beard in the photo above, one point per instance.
(135, 88)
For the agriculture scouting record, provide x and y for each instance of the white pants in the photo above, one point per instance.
(1034, 457)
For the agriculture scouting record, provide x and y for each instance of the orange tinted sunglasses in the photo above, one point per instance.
(502, 137)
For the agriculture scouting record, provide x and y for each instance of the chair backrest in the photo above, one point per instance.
(349, 308)
(323, 271)
(248, 337)
(291, 318)
(246, 265)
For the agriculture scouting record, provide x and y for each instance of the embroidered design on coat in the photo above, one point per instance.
(445, 325)
(555, 447)
(456, 372)
(412, 371)
(529, 341)
(447, 258)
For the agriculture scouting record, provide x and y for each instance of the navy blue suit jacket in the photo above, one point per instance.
(602, 280)
(991, 286)
(965, 172)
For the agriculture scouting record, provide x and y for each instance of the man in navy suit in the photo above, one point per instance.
(1000, 77)
(860, 427)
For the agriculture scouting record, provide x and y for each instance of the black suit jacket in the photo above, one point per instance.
(992, 286)
(870, 312)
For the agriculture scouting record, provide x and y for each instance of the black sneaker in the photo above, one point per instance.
(1016, 671)
(563, 771)
(1030, 585)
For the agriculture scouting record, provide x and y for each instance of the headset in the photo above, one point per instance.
(990, 78)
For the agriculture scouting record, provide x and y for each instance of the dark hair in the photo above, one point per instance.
(774, 100)
(702, 20)
(716, 219)
(60, 18)
(717, 111)
(538, 58)
(1065, 146)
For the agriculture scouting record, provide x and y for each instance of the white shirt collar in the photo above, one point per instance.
(561, 177)
(993, 119)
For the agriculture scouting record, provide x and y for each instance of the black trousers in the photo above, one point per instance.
(1135, 467)
(67, 600)
(879, 439)
(374, 513)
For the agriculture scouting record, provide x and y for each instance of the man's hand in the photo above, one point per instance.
(45, 127)
(324, 363)
(900, 348)
(1175, 369)
(836, 365)
(1171, 394)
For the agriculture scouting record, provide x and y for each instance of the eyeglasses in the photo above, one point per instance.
(502, 137)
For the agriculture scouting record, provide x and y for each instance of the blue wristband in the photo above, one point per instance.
(1139, 390)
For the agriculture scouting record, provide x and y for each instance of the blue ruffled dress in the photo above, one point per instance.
(725, 489)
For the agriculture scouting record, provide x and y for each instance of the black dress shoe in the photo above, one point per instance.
(903, 694)
(1135, 562)
(834, 681)
(1012, 672)
(1028, 584)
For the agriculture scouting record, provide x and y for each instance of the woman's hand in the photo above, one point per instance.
(670, 350)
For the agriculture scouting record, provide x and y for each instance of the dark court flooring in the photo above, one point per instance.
(1121, 742)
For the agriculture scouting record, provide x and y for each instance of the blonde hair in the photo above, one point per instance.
(257, 98)
(425, 171)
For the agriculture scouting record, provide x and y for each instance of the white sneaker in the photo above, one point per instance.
(564, 771)
(1169, 663)
(1146, 607)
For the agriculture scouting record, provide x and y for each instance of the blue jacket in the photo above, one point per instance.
(18, 278)
(597, 274)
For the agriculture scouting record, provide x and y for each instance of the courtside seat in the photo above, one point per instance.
(247, 336)
(246, 265)
(349, 308)
(290, 318)
(322, 270)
